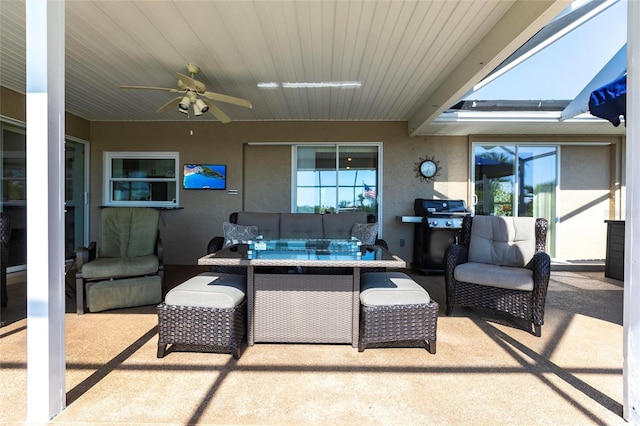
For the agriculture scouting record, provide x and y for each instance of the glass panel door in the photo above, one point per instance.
(316, 179)
(74, 194)
(357, 179)
(13, 168)
(494, 176)
(537, 180)
(517, 180)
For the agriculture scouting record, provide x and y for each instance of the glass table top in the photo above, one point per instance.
(315, 249)
(331, 249)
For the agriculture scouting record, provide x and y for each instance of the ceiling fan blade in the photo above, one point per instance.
(171, 104)
(228, 99)
(191, 83)
(151, 88)
(217, 113)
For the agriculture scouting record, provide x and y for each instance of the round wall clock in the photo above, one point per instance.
(427, 169)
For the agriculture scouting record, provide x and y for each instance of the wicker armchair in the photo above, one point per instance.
(501, 265)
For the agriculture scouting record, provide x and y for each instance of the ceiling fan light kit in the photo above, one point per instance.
(192, 90)
(201, 105)
(183, 106)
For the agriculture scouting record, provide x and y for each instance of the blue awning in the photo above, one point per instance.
(610, 101)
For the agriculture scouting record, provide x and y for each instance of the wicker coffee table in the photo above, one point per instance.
(299, 307)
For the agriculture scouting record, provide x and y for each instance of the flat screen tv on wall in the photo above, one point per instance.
(204, 176)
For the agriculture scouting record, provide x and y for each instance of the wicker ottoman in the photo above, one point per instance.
(205, 313)
(393, 309)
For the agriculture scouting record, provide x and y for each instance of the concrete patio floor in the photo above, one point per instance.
(487, 369)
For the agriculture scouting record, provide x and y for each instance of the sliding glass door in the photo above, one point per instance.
(516, 180)
(75, 200)
(13, 170)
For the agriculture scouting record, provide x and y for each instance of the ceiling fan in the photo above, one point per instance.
(192, 91)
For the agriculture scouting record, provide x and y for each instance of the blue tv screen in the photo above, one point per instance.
(205, 176)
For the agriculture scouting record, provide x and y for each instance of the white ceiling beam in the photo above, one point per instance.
(521, 22)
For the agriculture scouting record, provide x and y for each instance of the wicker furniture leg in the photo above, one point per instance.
(251, 294)
(355, 310)
(80, 290)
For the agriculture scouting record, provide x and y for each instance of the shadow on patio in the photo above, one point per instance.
(487, 370)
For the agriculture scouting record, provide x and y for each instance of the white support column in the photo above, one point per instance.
(631, 349)
(46, 390)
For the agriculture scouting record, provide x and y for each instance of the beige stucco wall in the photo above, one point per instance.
(14, 106)
(261, 173)
(267, 178)
(583, 204)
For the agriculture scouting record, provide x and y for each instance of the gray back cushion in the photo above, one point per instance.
(268, 223)
(128, 232)
(300, 225)
(144, 232)
(340, 225)
(115, 225)
(504, 241)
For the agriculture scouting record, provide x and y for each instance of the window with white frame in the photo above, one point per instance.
(141, 179)
(332, 178)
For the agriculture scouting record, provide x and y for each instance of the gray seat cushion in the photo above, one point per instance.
(115, 267)
(391, 288)
(209, 290)
(495, 276)
(124, 293)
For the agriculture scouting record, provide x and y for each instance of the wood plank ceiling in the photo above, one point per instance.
(412, 58)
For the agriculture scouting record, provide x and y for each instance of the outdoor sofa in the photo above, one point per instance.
(244, 226)
(247, 225)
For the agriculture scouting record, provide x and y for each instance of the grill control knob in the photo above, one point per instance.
(449, 223)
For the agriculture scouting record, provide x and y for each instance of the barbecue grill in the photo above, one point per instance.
(439, 228)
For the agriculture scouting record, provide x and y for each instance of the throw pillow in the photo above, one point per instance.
(365, 232)
(238, 234)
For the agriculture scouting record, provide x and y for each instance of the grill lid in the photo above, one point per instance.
(427, 207)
